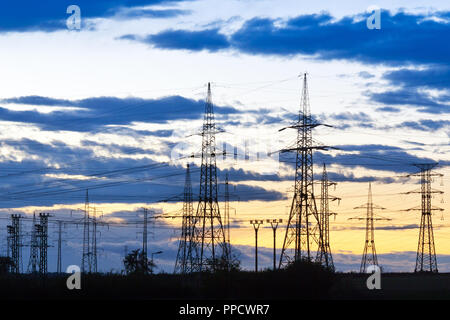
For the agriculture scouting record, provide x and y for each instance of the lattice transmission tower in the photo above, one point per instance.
(34, 248)
(42, 234)
(426, 252)
(303, 228)
(209, 235)
(324, 255)
(90, 223)
(86, 256)
(369, 256)
(15, 243)
(186, 247)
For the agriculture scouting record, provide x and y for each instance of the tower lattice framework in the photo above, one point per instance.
(185, 256)
(34, 248)
(208, 233)
(369, 256)
(303, 230)
(324, 255)
(426, 252)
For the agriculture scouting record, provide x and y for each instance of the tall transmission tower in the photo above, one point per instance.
(369, 256)
(86, 257)
(144, 236)
(227, 215)
(208, 232)
(94, 242)
(34, 248)
(14, 235)
(185, 255)
(43, 242)
(59, 260)
(90, 224)
(303, 225)
(426, 253)
(324, 255)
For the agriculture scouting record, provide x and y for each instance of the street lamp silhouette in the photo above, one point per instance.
(153, 253)
(274, 224)
(256, 224)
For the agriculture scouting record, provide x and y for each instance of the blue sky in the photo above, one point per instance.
(111, 107)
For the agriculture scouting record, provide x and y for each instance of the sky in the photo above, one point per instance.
(116, 106)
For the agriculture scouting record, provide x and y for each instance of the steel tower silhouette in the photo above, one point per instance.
(34, 248)
(303, 226)
(369, 256)
(43, 242)
(208, 233)
(15, 243)
(185, 256)
(426, 253)
(86, 257)
(324, 255)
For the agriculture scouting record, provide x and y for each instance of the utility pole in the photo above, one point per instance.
(426, 252)
(34, 248)
(274, 224)
(256, 224)
(303, 225)
(369, 256)
(185, 261)
(324, 255)
(209, 233)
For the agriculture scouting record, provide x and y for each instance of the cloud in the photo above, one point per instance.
(426, 125)
(426, 89)
(210, 40)
(94, 113)
(373, 156)
(404, 38)
(50, 15)
(423, 101)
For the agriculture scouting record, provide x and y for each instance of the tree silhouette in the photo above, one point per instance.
(136, 263)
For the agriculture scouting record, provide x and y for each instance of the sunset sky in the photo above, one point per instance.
(113, 107)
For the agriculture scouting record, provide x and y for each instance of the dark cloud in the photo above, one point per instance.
(373, 156)
(426, 125)
(50, 15)
(423, 101)
(210, 40)
(412, 89)
(95, 113)
(389, 109)
(404, 38)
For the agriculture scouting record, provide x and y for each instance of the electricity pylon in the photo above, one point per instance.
(86, 257)
(43, 242)
(303, 225)
(227, 215)
(208, 234)
(185, 256)
(34, 247)
(426, 253)
(14, 239)
(369, 256)
(324, 255)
